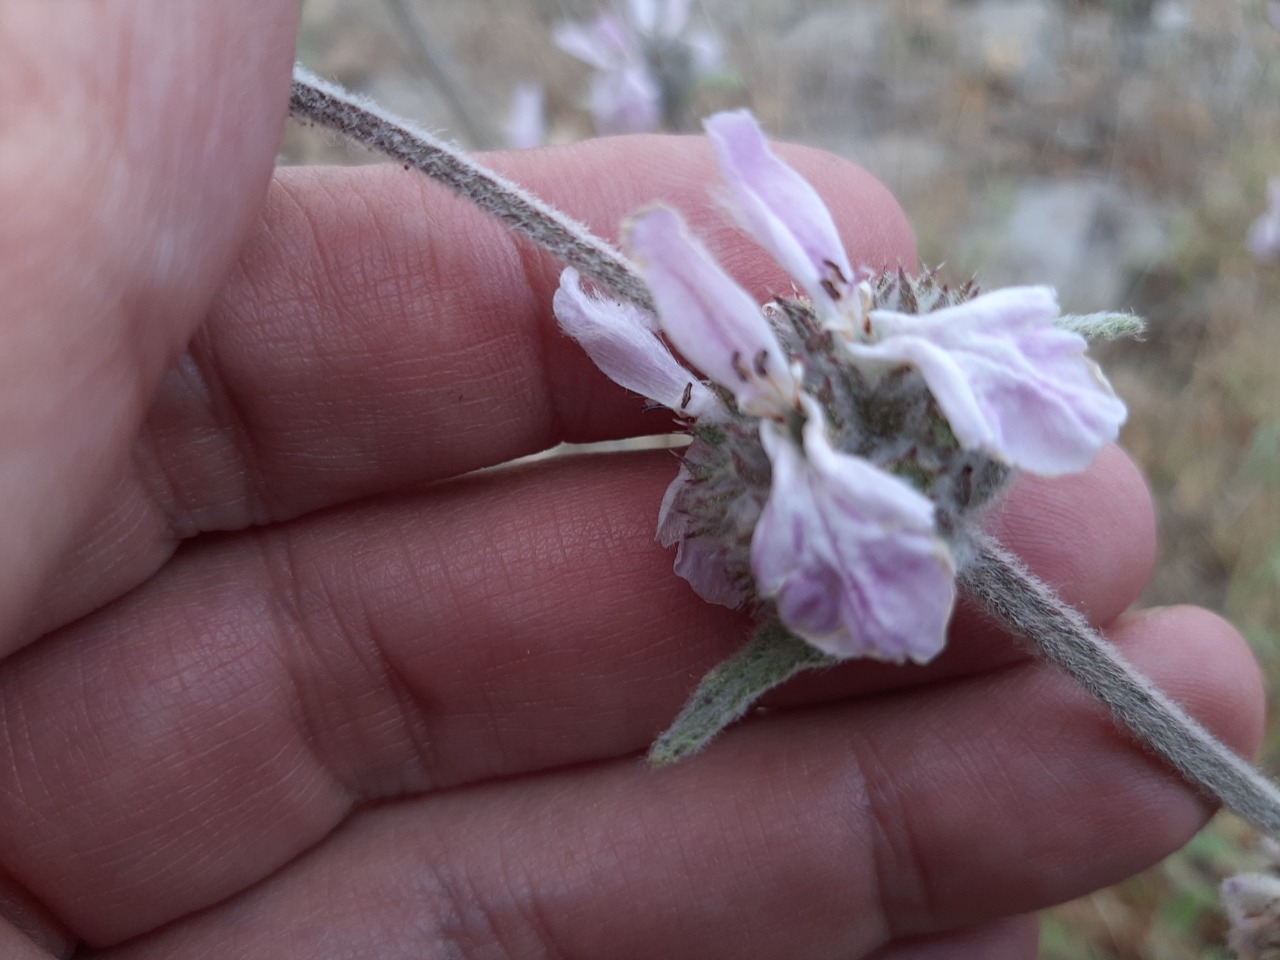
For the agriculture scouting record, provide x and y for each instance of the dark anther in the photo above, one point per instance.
(836, 271)
(832, 291)
(686, 396)
(759, 363)
(736, 362)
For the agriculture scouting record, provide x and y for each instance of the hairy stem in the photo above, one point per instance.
(1028, 607)
(330, 106)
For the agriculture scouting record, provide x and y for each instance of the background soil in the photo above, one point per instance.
(1117, 150)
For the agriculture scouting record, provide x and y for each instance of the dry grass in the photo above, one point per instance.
(1118, 156)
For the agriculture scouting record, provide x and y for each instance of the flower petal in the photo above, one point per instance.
(1009, 381)
(527, 123)
(673, 19)
(781, 210)
(711, 320)
(616, 336)
(849, 553)
(595, 44)
(703, 560)
(706, 50)
(1264, 234)
(643, 15)
(625, 99)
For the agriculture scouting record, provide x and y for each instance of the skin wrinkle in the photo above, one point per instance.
(890, 844)
(279, 567)
(119, 312)
(460, 826)
(407, 715)
(296, 207)
(659, 467)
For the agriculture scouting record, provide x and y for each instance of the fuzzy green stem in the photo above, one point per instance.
(328, 105)
(1027, 607)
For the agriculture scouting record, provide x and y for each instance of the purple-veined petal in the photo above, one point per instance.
(617, 337)
(1009, 381)
(780, 209)
(700, 559)
(711, 320)
(849, 553)
(625, 99)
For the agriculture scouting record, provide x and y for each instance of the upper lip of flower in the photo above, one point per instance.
(711, 320)
(782, 211)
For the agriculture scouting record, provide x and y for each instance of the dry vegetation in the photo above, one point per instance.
(1115, 149)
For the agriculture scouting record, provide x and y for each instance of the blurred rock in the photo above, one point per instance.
(1083, 236)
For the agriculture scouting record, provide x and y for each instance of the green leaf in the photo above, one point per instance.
(773, 656)
(1103, 326)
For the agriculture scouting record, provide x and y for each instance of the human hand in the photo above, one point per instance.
(286, 679)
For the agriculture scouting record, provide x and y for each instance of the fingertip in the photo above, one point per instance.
(1202, 662)
(1091, 535)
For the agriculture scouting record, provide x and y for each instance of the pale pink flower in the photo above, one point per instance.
(849, 553)
(624, 96)
(659, 18)
(772, 505)
(781, 210)
(1264, 235)
(1252, 902)
(711, 320)
(1009, 382)
(620, 340)
(526, 125)
(645, 64)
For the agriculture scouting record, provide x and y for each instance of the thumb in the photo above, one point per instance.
(136, 141)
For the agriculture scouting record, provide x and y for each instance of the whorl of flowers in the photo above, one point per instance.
(645, 63)
(842, 438)
(1252, 903)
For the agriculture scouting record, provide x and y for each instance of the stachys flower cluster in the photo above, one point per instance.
(844, 437)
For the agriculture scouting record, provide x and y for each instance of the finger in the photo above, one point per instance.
(826, 833)
(262, 686)
(1013, 938)
(380, 332)
(15, 945)
(133, 162)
